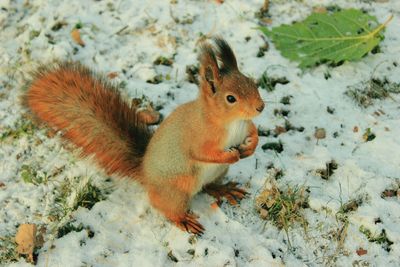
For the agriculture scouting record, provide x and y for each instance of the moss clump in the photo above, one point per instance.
(380, 238)
(21, 128)
(8, 250)
(365, 93)
(268, 82)
(283, 206)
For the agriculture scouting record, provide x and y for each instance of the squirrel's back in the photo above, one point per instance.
(90, 113)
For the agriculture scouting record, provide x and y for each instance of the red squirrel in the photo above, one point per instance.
(192, 148)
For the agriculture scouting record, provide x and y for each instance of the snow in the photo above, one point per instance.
(126, 37)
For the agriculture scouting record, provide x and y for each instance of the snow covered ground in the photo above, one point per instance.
(41, 177)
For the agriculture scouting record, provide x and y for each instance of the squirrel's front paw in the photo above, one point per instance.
(233, 155)
(248, 147)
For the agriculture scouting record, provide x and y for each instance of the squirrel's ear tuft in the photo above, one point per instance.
(209, 71)
(225, 56)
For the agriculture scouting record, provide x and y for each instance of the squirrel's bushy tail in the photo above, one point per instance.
(90, 113)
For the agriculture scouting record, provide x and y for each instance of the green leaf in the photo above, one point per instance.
(328, 37)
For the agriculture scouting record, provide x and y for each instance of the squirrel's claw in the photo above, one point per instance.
(230, 191)
(190, 224)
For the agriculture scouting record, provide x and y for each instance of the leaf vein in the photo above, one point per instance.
(330, 24)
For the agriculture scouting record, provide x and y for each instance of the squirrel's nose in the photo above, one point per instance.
(261, 107)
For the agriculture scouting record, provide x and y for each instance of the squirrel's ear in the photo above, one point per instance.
(225, 56)
(209, 71)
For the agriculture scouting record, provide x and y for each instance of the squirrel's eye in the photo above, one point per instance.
(231, 99)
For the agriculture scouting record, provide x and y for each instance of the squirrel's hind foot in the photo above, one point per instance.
(230, 191)
(190, 224)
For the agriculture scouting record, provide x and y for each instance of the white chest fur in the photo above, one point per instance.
(237, 132)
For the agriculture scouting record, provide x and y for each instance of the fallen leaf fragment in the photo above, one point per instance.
(264, 214)
(26, 239)
(265, 7)
(112, 75)
(361, 251)
(279, 130)
(266, 199)
(389, 193)
(308, 41)
(320, 133)
(76, 36)
(320, 9)
(267, 21)
(214, 205)
(368, 135)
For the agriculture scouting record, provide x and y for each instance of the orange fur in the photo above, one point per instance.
(172, 203)
(195, 144)
(184, 184)
(91, 114)
(190, 149)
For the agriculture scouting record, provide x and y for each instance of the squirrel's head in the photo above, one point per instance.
(226, 90)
